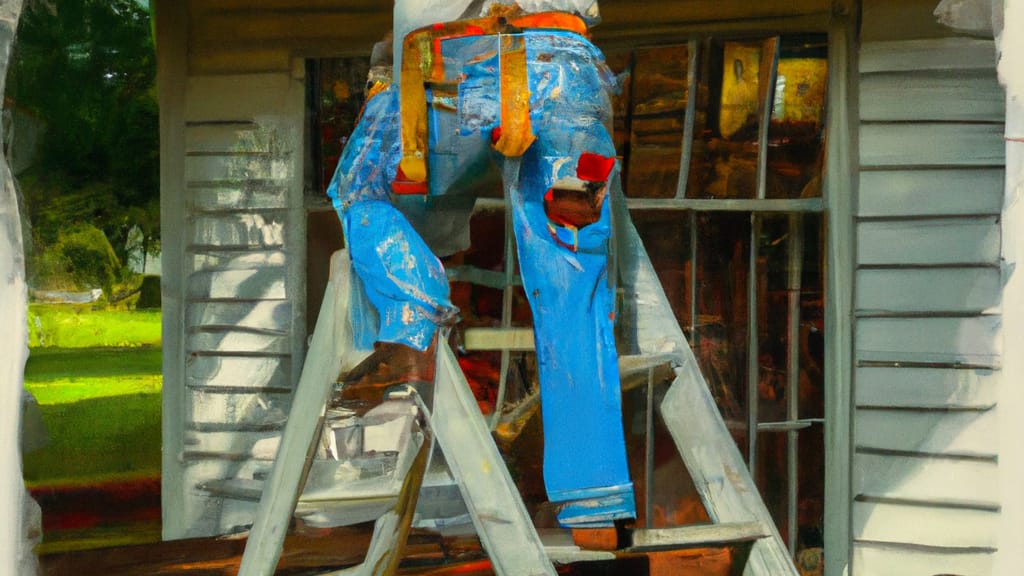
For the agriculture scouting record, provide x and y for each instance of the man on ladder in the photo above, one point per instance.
(521, 84)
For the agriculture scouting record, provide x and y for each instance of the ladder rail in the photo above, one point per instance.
(492, 498)
(330, 344)
(691, 415)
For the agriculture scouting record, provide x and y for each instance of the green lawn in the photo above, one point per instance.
(98, 439)
(99, 394)
(79, 326)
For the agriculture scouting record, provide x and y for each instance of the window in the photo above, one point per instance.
(723, 147)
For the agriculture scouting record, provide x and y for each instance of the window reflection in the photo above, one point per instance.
(736, 77)
(796, 135)
(657, 115)
(746, 281)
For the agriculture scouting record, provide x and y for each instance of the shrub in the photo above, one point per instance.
(81, 259)
(149, 293)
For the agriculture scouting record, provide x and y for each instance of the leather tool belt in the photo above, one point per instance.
(422, 64)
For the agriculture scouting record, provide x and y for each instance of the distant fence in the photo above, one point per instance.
(57, 297)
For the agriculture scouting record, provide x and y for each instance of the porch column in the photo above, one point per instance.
(1010, 41)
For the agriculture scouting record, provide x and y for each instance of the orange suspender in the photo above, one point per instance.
(422, 62)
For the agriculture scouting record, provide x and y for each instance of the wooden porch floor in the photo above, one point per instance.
(309, 551)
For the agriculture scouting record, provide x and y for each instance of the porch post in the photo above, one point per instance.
(1010, 41)
(14, 343)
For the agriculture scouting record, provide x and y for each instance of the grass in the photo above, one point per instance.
(79, 326)
(97, 440)
(63, 375)
(97, 377)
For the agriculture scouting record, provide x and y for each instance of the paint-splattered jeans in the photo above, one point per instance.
(565, 271)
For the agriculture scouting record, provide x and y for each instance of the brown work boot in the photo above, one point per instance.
(390, 364)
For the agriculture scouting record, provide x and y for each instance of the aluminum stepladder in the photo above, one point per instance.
(499, 516)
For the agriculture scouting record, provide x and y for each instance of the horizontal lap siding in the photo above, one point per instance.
(911, 291)
(880, 559)
(926, 388)
(965, 241)
(879, 475)
(909, 144)
(972, 96)
(243, 203)
(973, 340)
(930, 192)
(228, 36)
(927, 296)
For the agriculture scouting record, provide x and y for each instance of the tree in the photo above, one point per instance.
(86, 69)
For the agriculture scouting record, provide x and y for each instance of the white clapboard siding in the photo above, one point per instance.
(232, 442)
(934, 192)
(239, 341)
(929, 241)
(238, 136)
(238, 195)
(255, 230)
(211, 406)
(898, 96)
(924, 525)
(222, 371)
(212, 259)
(927, 339)
(959, 433)
(235, 166)
(927, 388)
(267, 315)
(226, 99)
(942, 290)
(967, 340)
(954, 55)
(246, 284)
(242, 176)
(927, 480)
(872, 559)
(931, 144)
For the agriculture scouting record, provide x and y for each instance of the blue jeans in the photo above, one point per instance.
(564, 270)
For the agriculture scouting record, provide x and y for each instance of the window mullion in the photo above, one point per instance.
(794, 259)
(694, 300)
(766, 88)
(752, 343)
(691, 109)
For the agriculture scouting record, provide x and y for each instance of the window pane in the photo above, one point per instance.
(811, 495)
(720, 338)
(725, 148)
(666, 237)
(772, 478)
(657, 116)
(796, 135)
(674, 500)
(779, 259)
(790, 312)
(341, 94)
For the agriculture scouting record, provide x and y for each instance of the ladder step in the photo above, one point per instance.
(514, 339)
(234, 488)
(699, 536)
(634, 370)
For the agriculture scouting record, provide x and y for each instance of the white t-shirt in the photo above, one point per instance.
(413, 14)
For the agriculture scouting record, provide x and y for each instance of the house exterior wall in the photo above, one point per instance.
(232, 145)
(235, 331)
(927, 318)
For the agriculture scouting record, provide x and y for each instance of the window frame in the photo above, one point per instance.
(836, 208)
